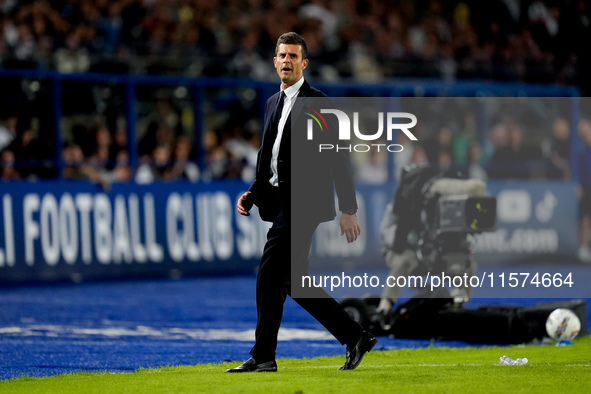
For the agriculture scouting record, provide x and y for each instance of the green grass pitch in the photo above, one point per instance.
(550, 369)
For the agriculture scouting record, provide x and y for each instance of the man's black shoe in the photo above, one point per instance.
(251, 365)
(355, 354)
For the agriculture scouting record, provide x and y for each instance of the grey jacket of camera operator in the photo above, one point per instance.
(388, 229)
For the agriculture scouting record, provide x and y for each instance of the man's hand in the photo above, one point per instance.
(350, 227)
(244, 204)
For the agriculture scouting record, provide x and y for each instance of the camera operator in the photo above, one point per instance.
(405, 229)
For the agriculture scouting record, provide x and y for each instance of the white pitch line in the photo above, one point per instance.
(384, 365)
(414, 365)
(166, 333)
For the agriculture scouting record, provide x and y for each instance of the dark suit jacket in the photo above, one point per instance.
(307, 177)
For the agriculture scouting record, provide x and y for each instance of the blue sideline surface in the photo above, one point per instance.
(121, 326)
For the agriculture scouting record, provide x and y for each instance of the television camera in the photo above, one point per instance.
(434, 214)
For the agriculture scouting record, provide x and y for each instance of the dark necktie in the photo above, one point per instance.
(277, 114)
(271, 135)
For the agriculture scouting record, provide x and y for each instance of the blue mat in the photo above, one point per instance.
(122, 326)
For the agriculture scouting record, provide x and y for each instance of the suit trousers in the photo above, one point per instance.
(274, 285)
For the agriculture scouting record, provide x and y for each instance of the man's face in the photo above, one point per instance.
(289, 63)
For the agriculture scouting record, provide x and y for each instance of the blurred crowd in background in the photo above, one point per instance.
(365, 41)
(522, 40)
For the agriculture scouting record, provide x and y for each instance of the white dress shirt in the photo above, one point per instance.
(290, 96)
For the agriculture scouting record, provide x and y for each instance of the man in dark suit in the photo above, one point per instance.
(294, 189)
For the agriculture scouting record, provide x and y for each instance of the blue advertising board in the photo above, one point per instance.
(76, 230)
(59, 230)
(537, 221)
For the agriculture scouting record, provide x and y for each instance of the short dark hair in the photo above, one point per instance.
(292, 38)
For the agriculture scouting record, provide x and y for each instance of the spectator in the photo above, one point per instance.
(374, 169)
(404, 157)
(473, 162)
(119, 143)
(407, 155)
(543, 23)
(8, 130)
(158, 134)
(73, 58)
(462, 140)
(25, 45)
(584, 191)
(439, 145)
(109, 26)
(27, 149)
(419, 156)
(512, 158)
(444, 160)
(121, 172)
(316, 9)
(73, 162)
(215, 156)
(158, 168)
(183, 167)
(235, 164)
(498, 140)
(556, 150)
(8, 171)
(102, 143)
(247, 62)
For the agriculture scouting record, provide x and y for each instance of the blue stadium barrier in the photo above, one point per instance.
(58, 229)
(264, 89)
